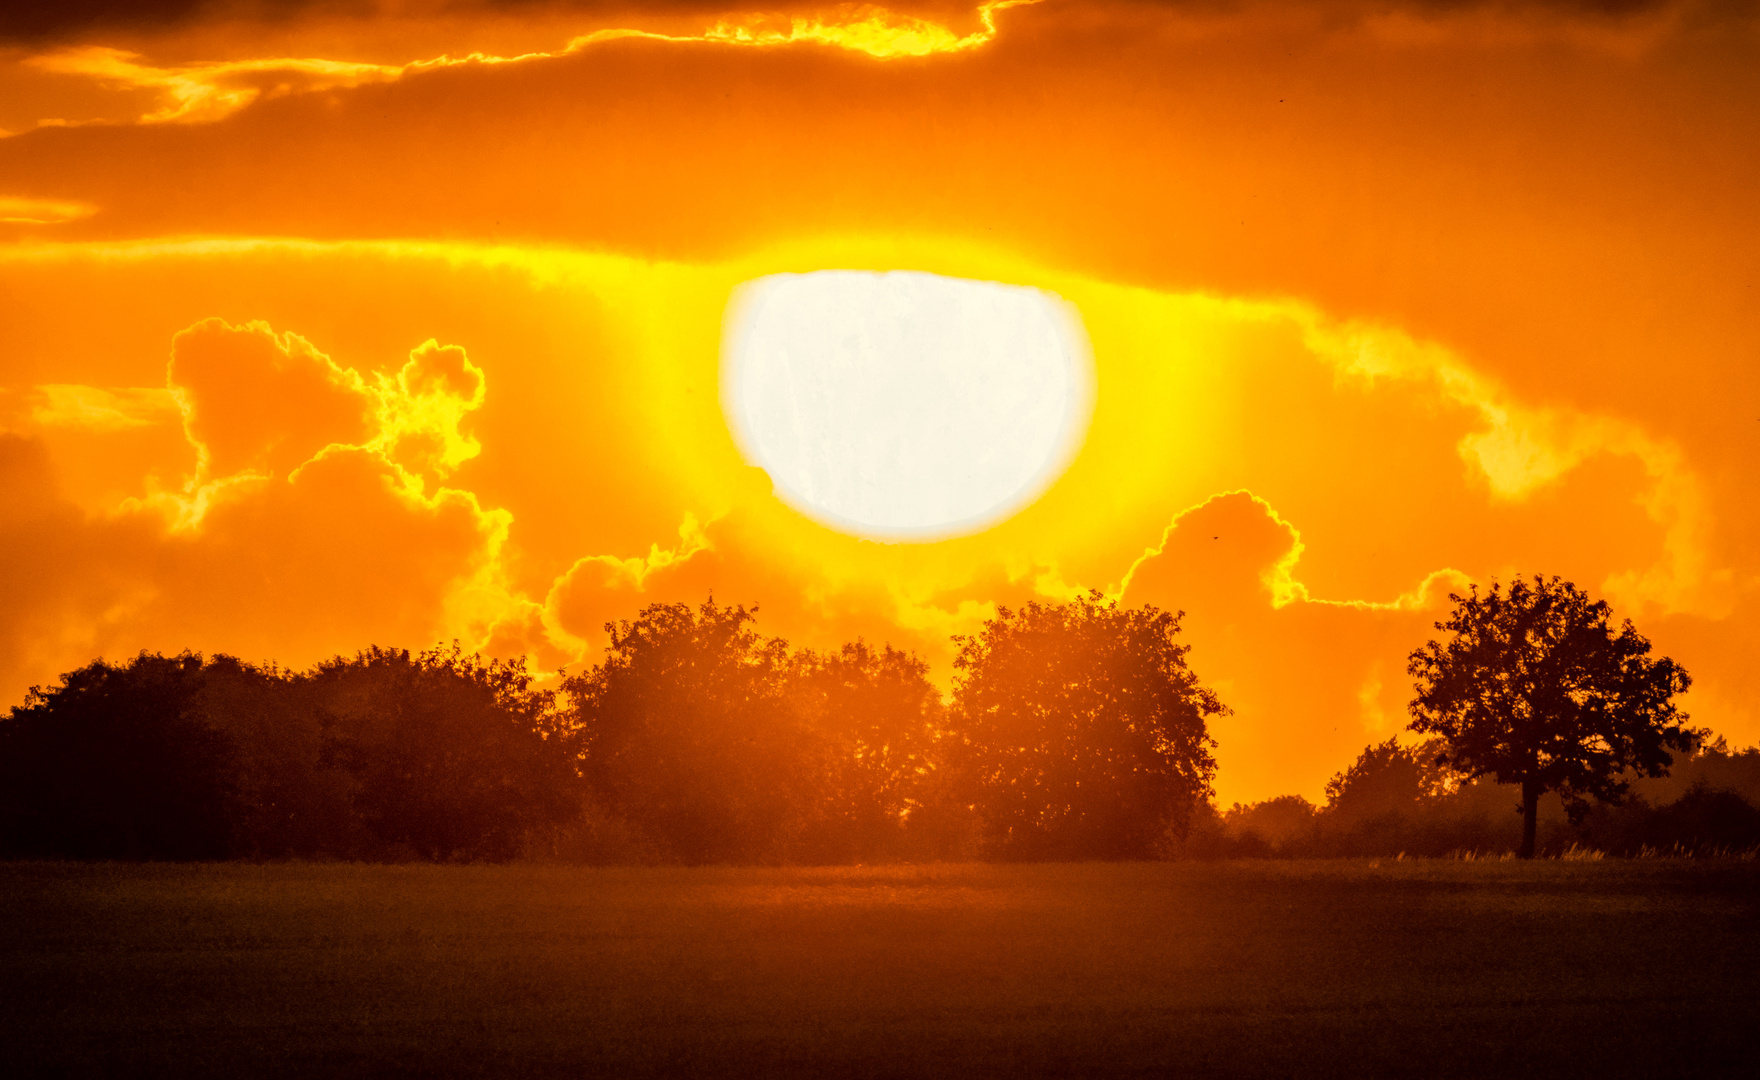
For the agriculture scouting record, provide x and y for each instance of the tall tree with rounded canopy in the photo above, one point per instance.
(1081, 729)
(689, 738)
(1536, 688)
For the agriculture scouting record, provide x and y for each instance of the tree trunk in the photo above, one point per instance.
(1530, 809)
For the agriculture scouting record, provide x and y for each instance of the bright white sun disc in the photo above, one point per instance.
(905, 405)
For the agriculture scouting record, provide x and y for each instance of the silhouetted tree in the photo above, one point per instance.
(1703, 821)
(689, 738)
(1081, 729)
(872, 714)
(1387, 778)
(1535, 688)
(1277, 825)
(451, 756)
(117, 762)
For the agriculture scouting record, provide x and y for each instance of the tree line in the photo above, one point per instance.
(1073, 731)
(1394, 799)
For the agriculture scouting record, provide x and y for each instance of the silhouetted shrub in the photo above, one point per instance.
(1702, 821)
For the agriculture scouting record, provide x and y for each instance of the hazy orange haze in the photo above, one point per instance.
(310, 339)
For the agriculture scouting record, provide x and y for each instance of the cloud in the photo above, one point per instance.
(34, 22)
(599, 589)
(257, 406)
(421, 410)
(208, 91)
(84, 18)
(318, 515)
(314, 515)
(67, 581)
(81, 36)
(1307, 678)
(1522, 449)
(260, 403)
(95, 408)
(18, 210)
(205, 92)
(72, 18)
(1618, 27)
(731, 558)
(1235, 544)
(863, 28)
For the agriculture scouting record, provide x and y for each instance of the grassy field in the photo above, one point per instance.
(1242, 969)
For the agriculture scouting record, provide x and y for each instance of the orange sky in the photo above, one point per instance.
(315, 335)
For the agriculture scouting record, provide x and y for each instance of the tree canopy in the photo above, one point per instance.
(450, 756)
(382, 755)
(117, 763)
(1082, 731)
(686, 734)
(1536, 688)
(1387, 778)
(874, 720)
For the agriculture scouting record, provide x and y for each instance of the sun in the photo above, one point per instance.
(905, 406)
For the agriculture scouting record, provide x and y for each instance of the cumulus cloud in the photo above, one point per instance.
(254, 401)
(318, 515)
(314, 515)
(257, 406)
(1309, 680)
(729, 558)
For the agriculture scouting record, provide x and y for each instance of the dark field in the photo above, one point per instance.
(1244, 969)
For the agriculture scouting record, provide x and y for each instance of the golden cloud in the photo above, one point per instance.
(208, 91)
(98, 408)
(26, 211)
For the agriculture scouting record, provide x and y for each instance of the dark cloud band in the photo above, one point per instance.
(73, 19)
(28, 23)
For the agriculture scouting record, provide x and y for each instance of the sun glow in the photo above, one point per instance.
(905, 405)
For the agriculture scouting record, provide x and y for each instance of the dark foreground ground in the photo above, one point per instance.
(1246, 969)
